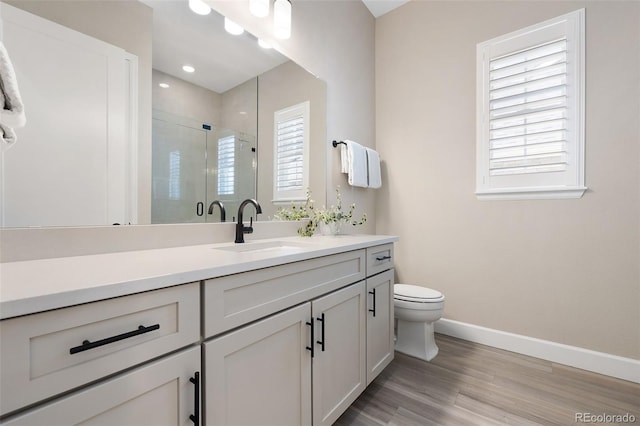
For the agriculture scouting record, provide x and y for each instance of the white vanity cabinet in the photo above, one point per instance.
(380, 344)
(339, 362)
(46, 354)
(310, 360)
(289, 342)
(160, 393)
(261, 374)
(380, 320)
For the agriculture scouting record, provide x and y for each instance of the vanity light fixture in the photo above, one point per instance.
(282, 19)
(264, 44)
(259, 8)
(199, 7)
(232, 27)
(188, 68)
(164, 85)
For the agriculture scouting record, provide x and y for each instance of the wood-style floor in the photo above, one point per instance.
(473, 384)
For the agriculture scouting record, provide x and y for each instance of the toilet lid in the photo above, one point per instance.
(414, 292)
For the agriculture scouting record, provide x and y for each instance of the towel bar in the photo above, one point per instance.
(336, 143)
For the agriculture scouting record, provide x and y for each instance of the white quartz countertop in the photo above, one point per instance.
(39, 285)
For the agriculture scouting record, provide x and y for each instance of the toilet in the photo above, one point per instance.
(416, 309)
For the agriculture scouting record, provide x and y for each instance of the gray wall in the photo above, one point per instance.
(567, 271)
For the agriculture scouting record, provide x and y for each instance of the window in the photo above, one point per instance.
(530, 112)
(226, 165)
(174, 175)
(291, 153)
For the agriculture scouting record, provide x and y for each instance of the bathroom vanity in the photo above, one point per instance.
(284, 331)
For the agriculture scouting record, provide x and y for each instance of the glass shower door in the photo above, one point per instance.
(178, 172)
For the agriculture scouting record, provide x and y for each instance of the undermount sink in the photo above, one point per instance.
(283, 247)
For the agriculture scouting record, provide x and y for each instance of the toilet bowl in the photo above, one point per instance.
(416, 309)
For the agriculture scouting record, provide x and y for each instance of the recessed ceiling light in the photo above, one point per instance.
(164, 85)
(232, 27)
(188, 68)
(199, 7)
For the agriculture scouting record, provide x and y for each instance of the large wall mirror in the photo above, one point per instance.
(211, 135)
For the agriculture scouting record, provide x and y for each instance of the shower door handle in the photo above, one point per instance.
(200, 208)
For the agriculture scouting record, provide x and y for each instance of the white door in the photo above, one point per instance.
(71, 164)
(339, 363)
(379, 323)
(261, 374)
(160, 393)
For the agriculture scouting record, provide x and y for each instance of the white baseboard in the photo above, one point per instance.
(597, 362)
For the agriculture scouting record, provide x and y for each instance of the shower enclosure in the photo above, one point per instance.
(194, 164)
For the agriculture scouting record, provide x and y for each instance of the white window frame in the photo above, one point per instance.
(547, 185)
(289, 113)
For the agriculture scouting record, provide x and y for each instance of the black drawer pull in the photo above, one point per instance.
(310, 348)
(373, 293)
(380, 258)
(86, 345)
(195, 418)
(321, 342)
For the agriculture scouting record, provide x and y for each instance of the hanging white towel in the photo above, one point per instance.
(357, 164)
(344, 158)
(373, 166)
(11, 107)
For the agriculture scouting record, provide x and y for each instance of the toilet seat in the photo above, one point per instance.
(416, 294)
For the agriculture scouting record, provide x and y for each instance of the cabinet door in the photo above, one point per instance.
(261, 374)
(159, 393)
(379, 323)
(339, 363)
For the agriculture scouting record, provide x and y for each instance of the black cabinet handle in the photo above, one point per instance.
(310, 348)
(321, 342)
(195, 418)
(373, 292)
(200, 208)
(86, 345)
(381, 258)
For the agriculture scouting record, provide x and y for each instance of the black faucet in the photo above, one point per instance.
(223, 213)
(240, 228)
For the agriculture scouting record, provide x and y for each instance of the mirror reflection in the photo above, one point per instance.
(212, 131)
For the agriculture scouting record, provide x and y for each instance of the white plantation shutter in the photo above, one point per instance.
(291, 141)
(530, 108)
(226, 165)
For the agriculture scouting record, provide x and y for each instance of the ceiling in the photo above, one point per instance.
(222, 61)
(380, 7)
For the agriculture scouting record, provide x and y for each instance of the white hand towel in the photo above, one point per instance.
(373, 161)
(344, 158)
(11, 107)
(357, 164)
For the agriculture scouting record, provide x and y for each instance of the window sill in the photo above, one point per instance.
(532, 194)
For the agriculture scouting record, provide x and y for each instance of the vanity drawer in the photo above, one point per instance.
(235, 300)
(45, 354)
(379, 259)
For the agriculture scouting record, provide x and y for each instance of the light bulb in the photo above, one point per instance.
(199, 7)
(164, 85)
(188, 68)
(282, 19)
(259, 8)
(232, 27)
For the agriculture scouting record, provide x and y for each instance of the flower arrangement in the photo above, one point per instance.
(327, 218)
